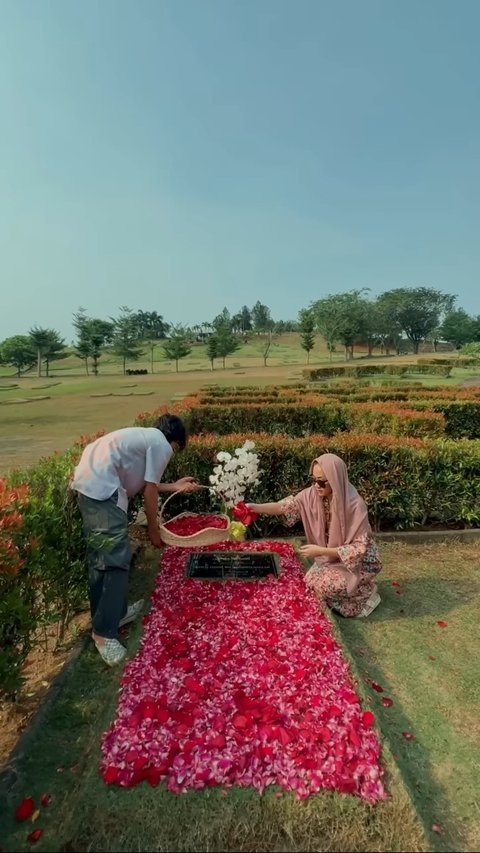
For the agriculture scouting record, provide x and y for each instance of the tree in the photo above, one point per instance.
(222, 320)
(306, 327)
(418, 311)
(471, 350)
(212, 350)
(237, 323)
(388, 329)
(151, 344)
(260, 316)
(82, 346)
(40, 339)
(125, 341)
(19, 352)
(341, 317)
(177, 346)
(246, 316)
(458, 328)
(227, 343)
(93, 335)
(149, 325)
(55, 348)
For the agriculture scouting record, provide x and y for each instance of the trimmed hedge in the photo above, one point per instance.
(462, 418)
(406, 482)
(453, 361)
(315, 373)
(306, 417)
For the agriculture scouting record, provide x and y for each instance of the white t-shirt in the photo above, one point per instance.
(122, 460)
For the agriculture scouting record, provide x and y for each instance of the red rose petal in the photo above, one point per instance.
(34, 836)
(408, 736)
(442, 624)
(25, 809)
(395, 583)
(438, 828)
(431, 657)
(110, 775)
(377, 687)
(45, 800)
(368, 718)
(386, 702)
(153, 775)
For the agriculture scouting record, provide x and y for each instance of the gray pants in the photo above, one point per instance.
(108, 553)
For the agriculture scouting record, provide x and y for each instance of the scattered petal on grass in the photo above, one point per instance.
(377, 687)
(34, 836)
(35, 815)
(431, 657)
(408, 736)
(438, 828)
(386, 702)
(25, 809)
(442, 624)
(46, 799)
(395, 583)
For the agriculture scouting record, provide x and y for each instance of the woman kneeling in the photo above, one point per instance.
(339, 537)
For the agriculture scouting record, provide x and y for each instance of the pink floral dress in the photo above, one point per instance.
(329, 580)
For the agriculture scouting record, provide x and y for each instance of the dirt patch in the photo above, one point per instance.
(42, 665)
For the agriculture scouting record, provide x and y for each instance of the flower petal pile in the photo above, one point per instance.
(190, 524)
(240, 683)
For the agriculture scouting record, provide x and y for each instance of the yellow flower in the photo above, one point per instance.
(237, 531)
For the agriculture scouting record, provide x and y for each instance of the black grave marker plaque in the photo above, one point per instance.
(232, 565)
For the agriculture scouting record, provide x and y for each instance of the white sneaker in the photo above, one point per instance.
(111, 651)
(371, 603)
(132, 613)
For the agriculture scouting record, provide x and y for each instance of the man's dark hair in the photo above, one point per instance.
(173, 429)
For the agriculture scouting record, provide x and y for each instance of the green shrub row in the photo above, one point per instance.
(301, 419)
(406, 482)
(312, 374)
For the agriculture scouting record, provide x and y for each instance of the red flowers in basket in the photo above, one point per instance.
(242, 513)
(190, 524)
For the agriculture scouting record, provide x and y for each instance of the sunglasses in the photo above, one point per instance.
(315, 481)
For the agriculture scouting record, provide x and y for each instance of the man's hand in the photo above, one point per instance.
(311, 551)
(186, 484)
(155, 538)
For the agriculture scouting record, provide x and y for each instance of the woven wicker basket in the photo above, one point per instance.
(207, 536)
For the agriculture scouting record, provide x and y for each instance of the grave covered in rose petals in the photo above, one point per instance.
(240, 684)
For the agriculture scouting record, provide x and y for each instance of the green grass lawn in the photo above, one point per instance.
(434, 779)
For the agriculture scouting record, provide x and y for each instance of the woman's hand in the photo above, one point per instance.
(312, 551)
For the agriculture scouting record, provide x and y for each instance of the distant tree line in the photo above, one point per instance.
(399, 318)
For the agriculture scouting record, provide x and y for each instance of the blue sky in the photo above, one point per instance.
(183, 155)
